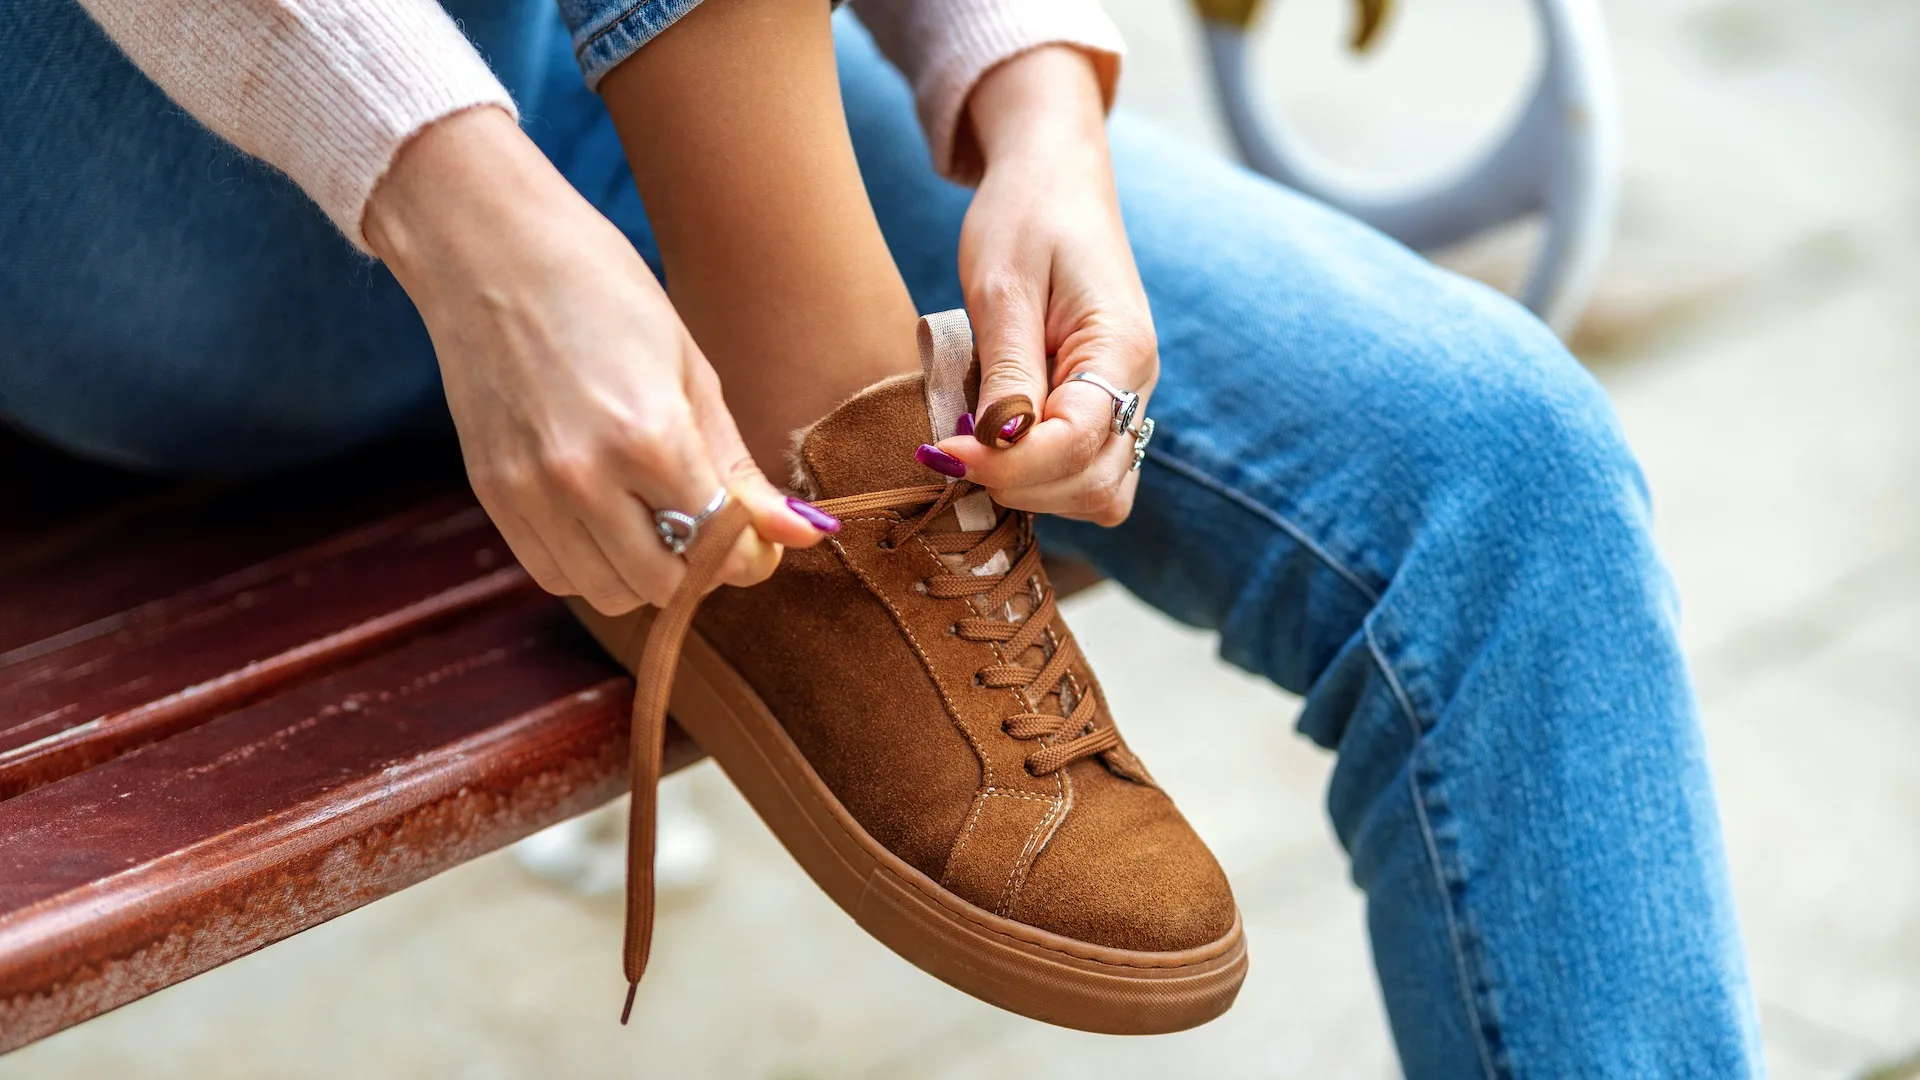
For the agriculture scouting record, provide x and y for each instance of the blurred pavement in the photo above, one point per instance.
(1759, 325)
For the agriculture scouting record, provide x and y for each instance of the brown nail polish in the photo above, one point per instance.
(1005, 422)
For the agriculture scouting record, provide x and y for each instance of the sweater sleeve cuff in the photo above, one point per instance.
(424, 70)
(325, 91)
(979, 37)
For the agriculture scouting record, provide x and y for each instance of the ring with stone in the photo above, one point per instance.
(1125, 402)
(1141, 437)
(677, 530)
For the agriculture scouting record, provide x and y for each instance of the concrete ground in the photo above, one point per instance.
(1758, 326)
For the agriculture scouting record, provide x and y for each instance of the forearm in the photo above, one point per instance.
(1044, 104)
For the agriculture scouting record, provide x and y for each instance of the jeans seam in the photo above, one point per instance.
(1266, 513)
(580, 50)
(1432, 845)
(1402, 701)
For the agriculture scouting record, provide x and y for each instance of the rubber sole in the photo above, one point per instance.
(1017, 967)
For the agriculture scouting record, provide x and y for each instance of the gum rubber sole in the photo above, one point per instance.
(1020, 968)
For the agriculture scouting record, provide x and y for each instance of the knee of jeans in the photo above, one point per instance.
(1522, 451)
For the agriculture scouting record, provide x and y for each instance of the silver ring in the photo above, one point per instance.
(1141, 437)
(677, 530)
(1125, 402)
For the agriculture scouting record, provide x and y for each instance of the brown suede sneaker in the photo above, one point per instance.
(907, 711)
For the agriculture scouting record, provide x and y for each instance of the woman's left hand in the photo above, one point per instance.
(1052, 290)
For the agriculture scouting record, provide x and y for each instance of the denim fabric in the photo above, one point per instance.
(1387, 488)
(606, 32)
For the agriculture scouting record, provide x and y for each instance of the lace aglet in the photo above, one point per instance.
(627, 1009)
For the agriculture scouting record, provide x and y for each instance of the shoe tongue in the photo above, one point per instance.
(868, 443)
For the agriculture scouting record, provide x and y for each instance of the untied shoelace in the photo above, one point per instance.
(653, 678)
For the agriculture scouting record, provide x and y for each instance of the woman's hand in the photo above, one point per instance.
(581, 402)
(1048, 273)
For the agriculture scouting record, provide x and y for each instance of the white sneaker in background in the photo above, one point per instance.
(587, 855)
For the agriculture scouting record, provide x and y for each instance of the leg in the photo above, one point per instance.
(1391, 490)
(772, 255)
(167, 302)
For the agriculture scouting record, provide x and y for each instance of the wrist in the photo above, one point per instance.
(456, 192)
(1043, 107)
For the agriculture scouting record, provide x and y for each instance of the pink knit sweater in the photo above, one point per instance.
(329, 90)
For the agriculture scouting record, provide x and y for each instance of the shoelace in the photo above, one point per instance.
(1015, 637)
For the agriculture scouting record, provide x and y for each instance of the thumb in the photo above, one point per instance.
(1010, 332)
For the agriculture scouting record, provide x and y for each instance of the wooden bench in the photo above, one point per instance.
(232, 712)
(229, 712)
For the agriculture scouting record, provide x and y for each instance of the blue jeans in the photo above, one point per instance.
(1387, 488)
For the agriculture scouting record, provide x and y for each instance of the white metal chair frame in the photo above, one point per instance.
(1560, 157)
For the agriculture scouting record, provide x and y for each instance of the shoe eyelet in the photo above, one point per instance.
(953, 629)
(978, 682)
(920, 587)
(1029, 767)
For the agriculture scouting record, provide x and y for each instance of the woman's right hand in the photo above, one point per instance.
(582, 403)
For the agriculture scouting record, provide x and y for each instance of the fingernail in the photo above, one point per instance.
(940, 461)
(965, 426)
(813, 515)
(1013, 429)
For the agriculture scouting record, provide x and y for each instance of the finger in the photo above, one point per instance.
(754, 557)
(1089, 494)
(533, 555)
(606, 493)
(623, 529)
(539, 534)
(1008, 311)
(1119, 509)
(1075, 427)
(586, 567)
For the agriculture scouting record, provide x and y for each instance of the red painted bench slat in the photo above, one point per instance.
(232, 711)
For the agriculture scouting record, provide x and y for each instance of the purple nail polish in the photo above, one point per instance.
(1010, 431)
(965, 424)
(813, 515)
(940, 461)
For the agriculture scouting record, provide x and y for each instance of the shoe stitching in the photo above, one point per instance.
(1044, 830)
(926, 662)
(1018, 697)
(966, 833)
(1050, 826)
(1020, 860)
(979, 803)
(984, 928)
(908, 880)
(900, 620)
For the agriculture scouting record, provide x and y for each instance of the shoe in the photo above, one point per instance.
(909, 714)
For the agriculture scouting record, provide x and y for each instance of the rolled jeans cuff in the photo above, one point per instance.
(606, 32)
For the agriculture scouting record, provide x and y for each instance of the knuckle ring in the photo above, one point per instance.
(1125, 402)
(677, 529)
